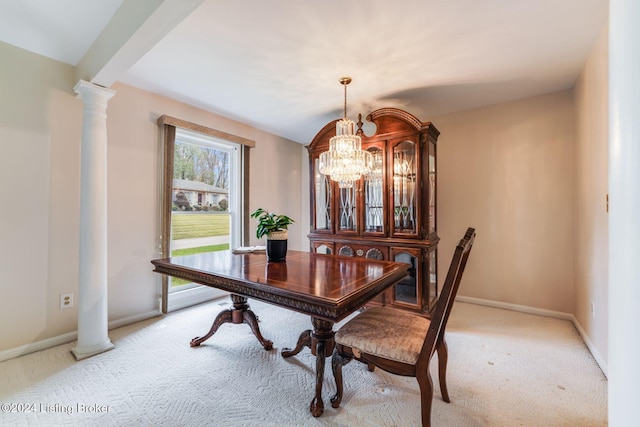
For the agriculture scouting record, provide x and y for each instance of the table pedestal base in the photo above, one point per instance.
(321, 342)
(240, 313)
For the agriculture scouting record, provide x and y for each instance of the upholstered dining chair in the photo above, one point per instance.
(403, 343)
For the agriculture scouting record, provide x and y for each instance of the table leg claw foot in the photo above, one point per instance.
(316, 407)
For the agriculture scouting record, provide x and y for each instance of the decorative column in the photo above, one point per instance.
(624, 212)
(92, 295)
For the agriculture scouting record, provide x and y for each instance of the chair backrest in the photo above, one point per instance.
(447, 296)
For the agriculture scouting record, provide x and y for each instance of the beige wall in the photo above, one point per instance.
(590, 188)
(531, 176)
(507, 171)
(39, 134)
(40, 128)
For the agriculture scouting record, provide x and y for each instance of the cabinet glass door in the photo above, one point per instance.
(432, 187)
(404, 188)
(323, 248)
(433, 278)
(408, 292)
(322, 202)
(347, 215)
(374, 194)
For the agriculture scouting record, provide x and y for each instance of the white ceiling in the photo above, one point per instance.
(275, 64)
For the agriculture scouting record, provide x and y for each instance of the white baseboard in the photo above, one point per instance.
(592, 348)
(192, 296)
(516, 307)
(547, 313)
(118, 323)
(69, 337)
(37, 346)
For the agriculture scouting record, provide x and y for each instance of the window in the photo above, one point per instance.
(203, 192)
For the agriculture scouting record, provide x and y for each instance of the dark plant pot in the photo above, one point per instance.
(276, 250)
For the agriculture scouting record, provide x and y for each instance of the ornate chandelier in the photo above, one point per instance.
(345, 162)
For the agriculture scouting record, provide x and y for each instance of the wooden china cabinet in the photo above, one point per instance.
(389, 214)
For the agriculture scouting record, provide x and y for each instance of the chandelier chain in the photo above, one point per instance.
(345, 100)
(344, 81)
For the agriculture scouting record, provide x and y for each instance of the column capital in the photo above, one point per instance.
(84, 88)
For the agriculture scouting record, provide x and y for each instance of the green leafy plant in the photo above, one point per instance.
(268, 222)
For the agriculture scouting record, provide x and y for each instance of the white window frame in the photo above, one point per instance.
(238, 148)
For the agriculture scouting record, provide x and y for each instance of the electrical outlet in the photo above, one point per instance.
(593, 309)
(66, 300)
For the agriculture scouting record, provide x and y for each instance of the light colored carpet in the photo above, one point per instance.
(505, 369)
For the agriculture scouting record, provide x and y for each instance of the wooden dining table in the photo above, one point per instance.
(326, 287)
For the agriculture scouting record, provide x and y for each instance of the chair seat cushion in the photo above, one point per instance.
(385, 332)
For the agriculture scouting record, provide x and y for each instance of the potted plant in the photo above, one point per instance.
(275, 227)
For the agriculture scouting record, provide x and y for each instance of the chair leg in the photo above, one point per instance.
(443, 355)
(426, 396)
(337, 361)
